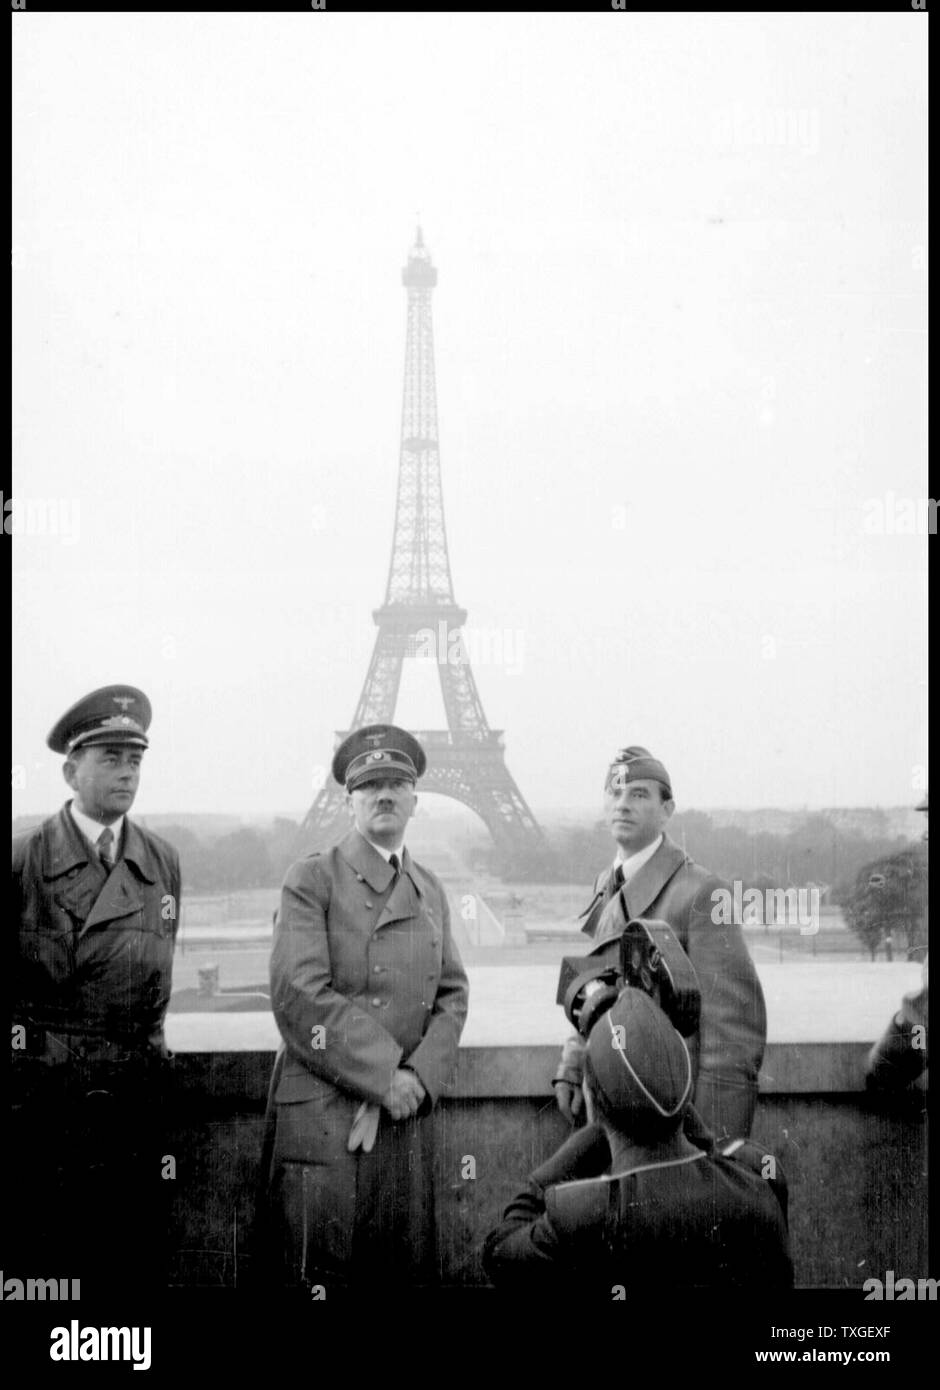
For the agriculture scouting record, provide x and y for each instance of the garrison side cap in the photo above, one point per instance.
(635, 764)
(639, 1061)
(113, 714)
(376, 751)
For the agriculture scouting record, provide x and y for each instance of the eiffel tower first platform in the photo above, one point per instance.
(465, 761)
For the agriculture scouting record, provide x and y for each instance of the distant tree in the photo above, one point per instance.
(693, 830)
(241, 860)
(196, 865)
(282, 845)
(183, 840)
(578, 853)
(528, 864)
(890, 896)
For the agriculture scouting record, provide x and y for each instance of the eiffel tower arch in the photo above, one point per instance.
(420, 617)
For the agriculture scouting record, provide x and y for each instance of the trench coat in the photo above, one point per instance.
(91, 978)
(729, 1047)
(365, 978)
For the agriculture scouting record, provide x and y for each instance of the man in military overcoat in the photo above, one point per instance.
(370, 997)
(96, 907)
(658, 880)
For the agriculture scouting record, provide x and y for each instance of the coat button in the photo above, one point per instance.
(359, 878)
(376, 1002)
(377, 969)
(368, 904)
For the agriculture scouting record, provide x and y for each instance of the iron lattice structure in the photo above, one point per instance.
(465, 761)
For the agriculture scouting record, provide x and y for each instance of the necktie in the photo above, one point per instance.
(393, 861)
(106, 848)
(616, 880)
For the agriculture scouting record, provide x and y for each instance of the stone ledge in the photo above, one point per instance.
(241, 1077)
(822, 1021)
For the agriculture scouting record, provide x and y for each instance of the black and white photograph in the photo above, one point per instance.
(469, 526)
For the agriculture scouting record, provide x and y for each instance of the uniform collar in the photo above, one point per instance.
(646, 882)
(367, 860)
(64, 846)
(652, 876)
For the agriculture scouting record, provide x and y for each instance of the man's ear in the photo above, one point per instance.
(669, 807)
(68, 772)
(349, 806)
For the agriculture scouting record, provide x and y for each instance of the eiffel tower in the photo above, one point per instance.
(420, 617)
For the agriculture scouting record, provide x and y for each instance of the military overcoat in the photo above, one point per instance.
(365, 977)
(90, 982)
(93, 964)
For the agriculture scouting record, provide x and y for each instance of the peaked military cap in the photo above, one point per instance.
(638, 1059)
(113, 714)
(378, 750)
(634, 764)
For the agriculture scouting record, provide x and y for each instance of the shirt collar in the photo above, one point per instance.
(635, 862)
(386, 853)
(91, 829)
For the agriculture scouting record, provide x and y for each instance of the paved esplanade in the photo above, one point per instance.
(512, 1006)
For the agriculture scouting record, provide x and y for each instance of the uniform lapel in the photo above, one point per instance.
(366, 862)
(409, 867)
(638, 895)
(63, 845)
(402, 899)
(592, 913)
(64, 851)
(121, 896)
(137, 852)
(646, 886)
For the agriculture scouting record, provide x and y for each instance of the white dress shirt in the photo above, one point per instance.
(386, 853)
(632, 865)
(91, 829)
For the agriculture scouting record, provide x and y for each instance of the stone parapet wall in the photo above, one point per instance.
(856, 1164)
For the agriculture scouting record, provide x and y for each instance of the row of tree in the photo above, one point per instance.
(249, 857)
(881, 884)
(815, 851)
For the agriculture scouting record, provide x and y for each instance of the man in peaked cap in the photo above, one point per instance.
(370, 997)
(97, 904)
(628, 1204)
(657, 879)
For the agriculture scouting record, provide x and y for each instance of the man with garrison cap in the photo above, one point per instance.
(370, 997)
(628, 1204)
(656, 879)
(96, 906)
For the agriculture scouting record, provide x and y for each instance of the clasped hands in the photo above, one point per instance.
(405, 1095)
(402, 1100)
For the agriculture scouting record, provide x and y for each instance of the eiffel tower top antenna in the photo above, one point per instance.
(465, 761)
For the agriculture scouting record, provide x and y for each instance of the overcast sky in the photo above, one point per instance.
(680, 346)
